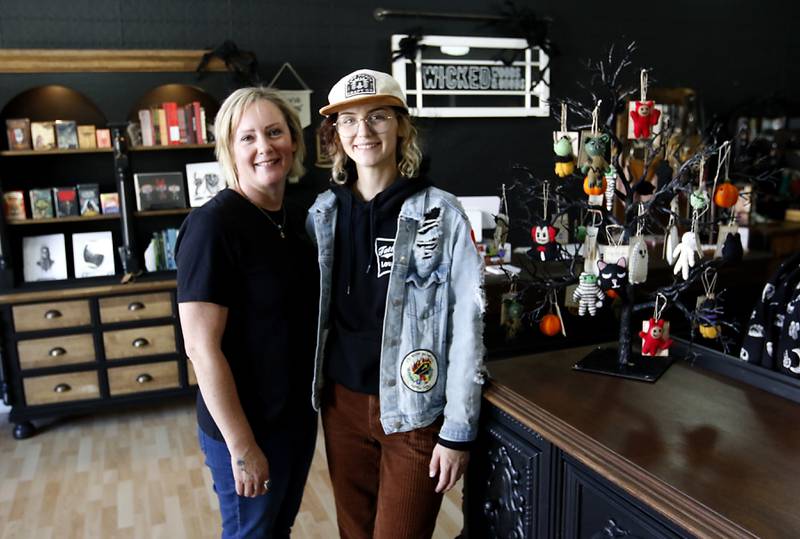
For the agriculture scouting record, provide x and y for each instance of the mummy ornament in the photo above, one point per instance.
(685, 254)
(637, 261)
(588, 295)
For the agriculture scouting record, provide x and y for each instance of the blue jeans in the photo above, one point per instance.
(289, 450)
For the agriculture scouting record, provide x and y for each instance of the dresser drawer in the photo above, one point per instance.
(61, 314)
(192, 377)
(137, 342)
(139, 378)
(65, 387)
(53, 351)
(135, 307)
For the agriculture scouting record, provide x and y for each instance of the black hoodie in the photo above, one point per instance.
(364, 252)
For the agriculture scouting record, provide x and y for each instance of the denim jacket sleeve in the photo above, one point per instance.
(465, 337)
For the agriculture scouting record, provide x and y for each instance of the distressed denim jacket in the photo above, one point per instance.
(432, 345)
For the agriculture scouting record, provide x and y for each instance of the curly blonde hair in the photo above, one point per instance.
(229, 116)
(409, 155)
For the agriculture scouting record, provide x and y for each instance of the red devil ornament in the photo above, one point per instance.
(654, 340)
(644, 116)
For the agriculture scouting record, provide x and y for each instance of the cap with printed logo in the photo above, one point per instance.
(364, 86)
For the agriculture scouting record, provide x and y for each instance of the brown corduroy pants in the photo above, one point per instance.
(380, 481)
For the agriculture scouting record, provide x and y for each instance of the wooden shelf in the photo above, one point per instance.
(103, 60)
(14, 153)
(160, 213)
(170, 147)
(72, 219)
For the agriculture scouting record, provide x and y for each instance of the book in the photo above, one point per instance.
(109, 202)
(182, 125)
(66, 134)
(18, 131)
(93, 254)
(146, 121)
(103, 138)
(173, 128)
(14, 205)
(162, 127)
(41, 203)
(87, 137)
(43, 136)
(159, 191)
(170, 238)
(44, 258)
(66, 201)
(89, 198)
(156, 126)
(198, 118)
(204, 181)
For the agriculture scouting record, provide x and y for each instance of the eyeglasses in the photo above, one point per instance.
(378, 122)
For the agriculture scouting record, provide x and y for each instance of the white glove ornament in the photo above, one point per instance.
(685, 254)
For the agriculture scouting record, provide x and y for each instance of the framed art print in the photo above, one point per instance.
(44, 258)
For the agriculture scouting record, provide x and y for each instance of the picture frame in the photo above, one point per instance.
(159, 191)
(204, 181)
(93, 254)
(44, 258)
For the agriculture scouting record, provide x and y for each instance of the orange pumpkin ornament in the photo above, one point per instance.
(594, 184)
(726, 196)
(550, 325)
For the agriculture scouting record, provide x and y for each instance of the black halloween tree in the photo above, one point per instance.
(604, 197)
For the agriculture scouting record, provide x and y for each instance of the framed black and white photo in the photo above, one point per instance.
(204, 180)
(44, 258)
(93, 254)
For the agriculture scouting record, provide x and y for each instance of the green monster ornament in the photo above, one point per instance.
(565, 161)
(699, 199)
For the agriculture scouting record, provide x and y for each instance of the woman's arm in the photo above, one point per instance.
(203, 325)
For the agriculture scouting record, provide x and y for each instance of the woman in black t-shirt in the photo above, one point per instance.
(244, 313)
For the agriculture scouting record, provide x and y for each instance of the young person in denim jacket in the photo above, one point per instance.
(399, 359)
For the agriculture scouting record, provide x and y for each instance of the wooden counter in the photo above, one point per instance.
(714, 456)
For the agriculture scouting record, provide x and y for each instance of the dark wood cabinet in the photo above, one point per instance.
(562, 453)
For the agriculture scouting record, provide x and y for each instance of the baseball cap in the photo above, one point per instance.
(364, 86)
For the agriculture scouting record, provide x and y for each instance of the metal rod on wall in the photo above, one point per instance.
(381, 14)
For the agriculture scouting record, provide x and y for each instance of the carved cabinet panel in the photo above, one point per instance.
(508, 485)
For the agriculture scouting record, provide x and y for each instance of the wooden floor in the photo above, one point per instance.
(138, 474)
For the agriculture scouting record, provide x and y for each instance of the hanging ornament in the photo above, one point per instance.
(596, 146)
(726, 195)
(501, 229)
(611, 186)
(699, 200)
(588, 295)
(594, 185)
(707, 306)
(614, 250)
(552, 323)
(565, 146)
(671, 238)
(685, 254)
(732, 250)
(655, 332)
(511, 311)
(590, 251)
(637, 254)
(543, 234)
(644, 114)
(613, 277)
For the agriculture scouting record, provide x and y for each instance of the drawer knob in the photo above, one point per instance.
(57, 351)
(62, 388)
(144, 378)
(141, 342)
(52, 314)
(135, 306)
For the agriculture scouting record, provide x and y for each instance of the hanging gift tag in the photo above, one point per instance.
(590, 250)
(562, 229)
(645, 115)
(558, 314)
(299, 99)
(569, 300)
(722, 236)
(612, 253)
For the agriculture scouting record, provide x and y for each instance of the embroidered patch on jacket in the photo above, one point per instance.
(361, 84)
(384, 254)
(419, 370)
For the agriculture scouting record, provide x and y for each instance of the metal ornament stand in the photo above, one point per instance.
(637, 367)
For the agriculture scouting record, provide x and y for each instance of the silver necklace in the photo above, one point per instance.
(281, 226)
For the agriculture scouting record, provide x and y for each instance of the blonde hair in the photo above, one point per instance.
(409, 152)
(229, 116)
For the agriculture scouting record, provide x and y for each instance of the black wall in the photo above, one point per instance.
(730, 51)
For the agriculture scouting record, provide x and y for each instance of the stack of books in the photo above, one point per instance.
(160, 253)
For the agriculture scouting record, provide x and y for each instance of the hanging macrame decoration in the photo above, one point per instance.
(655, 332)
(644, 114)
(565, 146)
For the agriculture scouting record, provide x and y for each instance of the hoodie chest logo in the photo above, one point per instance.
(384, 254)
